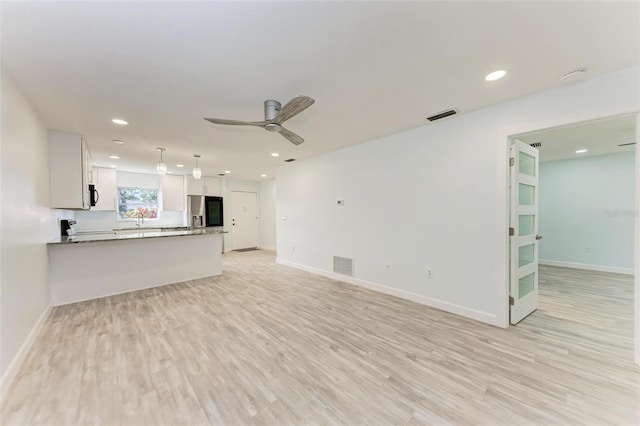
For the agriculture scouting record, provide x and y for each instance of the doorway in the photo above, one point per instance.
(584, 201)
(244, 220)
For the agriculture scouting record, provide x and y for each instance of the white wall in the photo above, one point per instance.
(27, 224)
(105, 220)
(586, 212)
(434, 198)
(637, 248)
(267, 214)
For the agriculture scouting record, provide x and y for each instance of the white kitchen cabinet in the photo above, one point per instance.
(208, 185)
(173, 193)
(69, 171)
(106, 184)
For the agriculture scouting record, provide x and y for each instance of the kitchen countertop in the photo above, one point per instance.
(90, 238)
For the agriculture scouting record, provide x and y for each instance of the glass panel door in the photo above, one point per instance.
(524, 219)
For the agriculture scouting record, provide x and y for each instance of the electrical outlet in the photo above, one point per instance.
(587, 250)
(293, 248)
(387, 266)
(429, 273)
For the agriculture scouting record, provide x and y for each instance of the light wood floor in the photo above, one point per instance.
(266, 344)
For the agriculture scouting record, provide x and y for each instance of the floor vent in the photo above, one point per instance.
(343, 265)
(442, 114)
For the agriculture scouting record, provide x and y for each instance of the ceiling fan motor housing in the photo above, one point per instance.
(271, 109)
(273, 127)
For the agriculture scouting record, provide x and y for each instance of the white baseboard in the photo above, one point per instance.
(598, 268)
(442, 305)
(14, 367)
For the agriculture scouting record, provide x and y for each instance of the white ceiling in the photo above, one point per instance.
(374, 68)
(597, 137)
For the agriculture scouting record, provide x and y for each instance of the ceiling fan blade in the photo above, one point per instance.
(292, 137)
(294, 107)
(236, 122)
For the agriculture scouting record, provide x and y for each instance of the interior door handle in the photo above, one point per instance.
(538, 237)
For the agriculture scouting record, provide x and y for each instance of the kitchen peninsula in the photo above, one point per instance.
(84, 267)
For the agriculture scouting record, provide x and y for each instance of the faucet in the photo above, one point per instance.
(140, 219)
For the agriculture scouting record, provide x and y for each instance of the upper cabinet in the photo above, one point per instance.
(173, 193)
(106, 184)
(69, 171)
(208, 185)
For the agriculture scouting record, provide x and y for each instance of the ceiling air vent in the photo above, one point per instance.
(290, 160)
(343, 265)
(442, 114)
(536, 144)
(627, 144)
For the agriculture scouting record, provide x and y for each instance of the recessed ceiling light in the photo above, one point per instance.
(275, 154)
(581, 151)
(118, 141)
(573, 73)
(227, 171)
(263, 175)
(496, 75)
(119, 121)
(114, 157)
(113, 166)
(179, 165)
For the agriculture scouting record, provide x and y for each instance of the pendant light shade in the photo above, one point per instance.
(197, 173)
(162, 166)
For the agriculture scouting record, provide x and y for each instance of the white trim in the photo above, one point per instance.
(637, 251)
(599, 268)
(14, 367)
(423, 300)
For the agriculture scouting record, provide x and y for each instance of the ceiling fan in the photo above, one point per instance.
(274, 116)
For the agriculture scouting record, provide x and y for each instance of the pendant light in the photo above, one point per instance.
(162, 166)
(197, 173)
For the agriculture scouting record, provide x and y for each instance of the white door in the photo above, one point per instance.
(244, 220)
(524, 231)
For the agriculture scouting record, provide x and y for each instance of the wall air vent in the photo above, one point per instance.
(627, 144)
(536, 144)
(221, 174)
(290, 160)
(442, 114)
(343, 266)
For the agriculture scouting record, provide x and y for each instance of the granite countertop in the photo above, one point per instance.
(89, 238)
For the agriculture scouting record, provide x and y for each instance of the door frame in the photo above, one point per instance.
(505, 135)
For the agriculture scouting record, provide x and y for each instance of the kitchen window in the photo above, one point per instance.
(137, 203)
